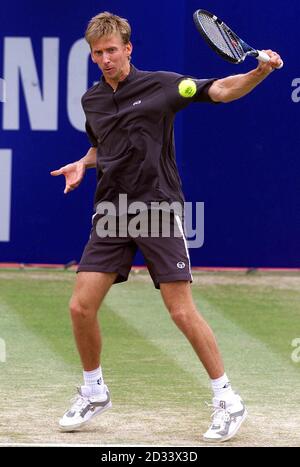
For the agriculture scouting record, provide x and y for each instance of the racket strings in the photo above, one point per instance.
(234, 42)
(222, 37)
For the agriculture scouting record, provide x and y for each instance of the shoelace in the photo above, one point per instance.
(78, 402)
(219, 415)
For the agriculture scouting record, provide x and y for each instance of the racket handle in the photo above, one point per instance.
(263, 57)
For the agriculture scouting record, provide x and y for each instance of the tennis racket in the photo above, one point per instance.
(224, 41)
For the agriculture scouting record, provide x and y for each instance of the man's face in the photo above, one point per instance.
(111, 55)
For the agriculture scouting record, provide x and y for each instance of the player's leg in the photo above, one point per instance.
(169, 265)
(106, 259)
(93, 398)
(89, 292)
(101, 256)
(168, 262)
(228, 409)
(178, 299)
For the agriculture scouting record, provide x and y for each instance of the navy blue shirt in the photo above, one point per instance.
(133, 131)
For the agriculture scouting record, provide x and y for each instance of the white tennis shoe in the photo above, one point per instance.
(83, 408)
(226, 420)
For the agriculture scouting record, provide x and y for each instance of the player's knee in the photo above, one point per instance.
(78, 311)
(183, 316)
(178, 314)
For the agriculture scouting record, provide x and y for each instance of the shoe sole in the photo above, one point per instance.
(226, 438)
(71, 428)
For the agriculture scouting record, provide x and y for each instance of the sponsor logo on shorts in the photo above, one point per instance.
(181, 265)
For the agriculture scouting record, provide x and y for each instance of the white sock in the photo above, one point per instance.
(94, 381)
(222, 388)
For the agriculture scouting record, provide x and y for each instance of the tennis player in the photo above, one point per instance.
(129, 122)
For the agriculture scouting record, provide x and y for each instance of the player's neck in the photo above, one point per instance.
(123, 75)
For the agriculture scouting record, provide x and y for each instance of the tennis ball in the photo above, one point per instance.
(187, 88)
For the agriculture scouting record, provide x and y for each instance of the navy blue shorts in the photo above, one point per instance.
(112, 247)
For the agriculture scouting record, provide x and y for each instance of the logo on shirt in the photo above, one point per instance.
(137, 103)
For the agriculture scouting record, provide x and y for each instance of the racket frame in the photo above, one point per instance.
(229, 36)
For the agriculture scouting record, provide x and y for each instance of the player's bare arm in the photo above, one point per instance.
(75, 171)
(233, 87)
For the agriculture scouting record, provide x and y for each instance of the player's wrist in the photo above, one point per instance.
(81, 161)
(260, 73)
(87, 162)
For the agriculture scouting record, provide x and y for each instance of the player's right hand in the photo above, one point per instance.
(273, 64)
(73, 173)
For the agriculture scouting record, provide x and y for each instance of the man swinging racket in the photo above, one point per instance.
(129, 122)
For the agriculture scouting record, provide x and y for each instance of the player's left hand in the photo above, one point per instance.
(270, 66)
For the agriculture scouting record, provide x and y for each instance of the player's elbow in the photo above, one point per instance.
(226, 99)
(225, 96)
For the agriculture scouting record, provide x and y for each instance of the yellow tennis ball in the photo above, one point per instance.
(187, 88)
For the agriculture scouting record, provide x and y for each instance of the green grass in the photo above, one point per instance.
(129, 359)
(254, 319)
(272, 316)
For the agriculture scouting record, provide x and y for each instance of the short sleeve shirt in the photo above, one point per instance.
(133, 131)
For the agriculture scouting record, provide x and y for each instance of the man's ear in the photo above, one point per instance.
(129, 48)
(93, 60)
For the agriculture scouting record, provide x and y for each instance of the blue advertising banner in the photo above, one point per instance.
(238, 161)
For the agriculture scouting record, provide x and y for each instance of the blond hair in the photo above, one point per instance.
(106, 24)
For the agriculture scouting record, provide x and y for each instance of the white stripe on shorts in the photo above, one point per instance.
(179, 224)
